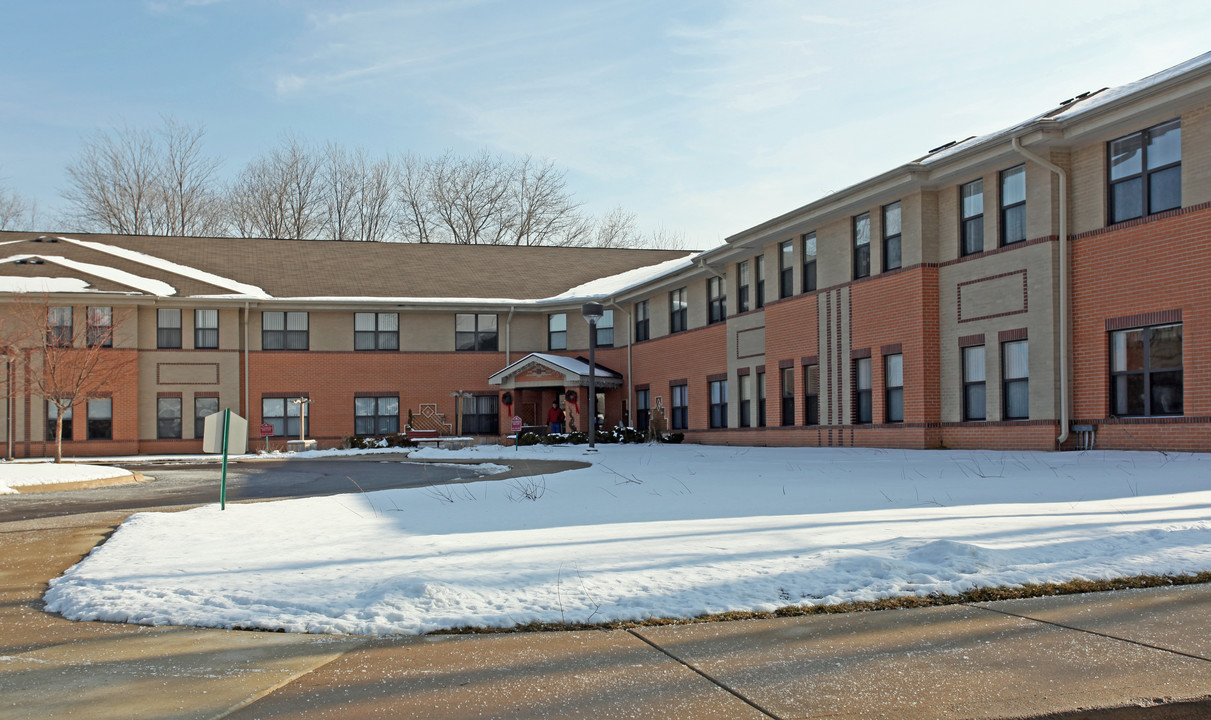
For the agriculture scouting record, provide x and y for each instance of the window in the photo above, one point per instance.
(557, 331)
(863, 412)
(168, 328)
(474, 332)
(283, 415)
(58, 326)
(1015, 380)
(677, 311)
(973, 383)
(100, 328)
(481, 415)
(718, 390)
(746, 401)
(742, 286)
(203, 407)
(862, 245)
(893, 388)
(375, 331)
(168, 417)
(284, 331)
(759, 271)
(760, 399)
(786, 269)
(605, 329)
(787, 376)
(1146, 172)
(100, 419)
(891, 236)
(206, 329)
(643, 410)
(971, 217)
(1146, 371)
(642, 327)
(809, 262)
(716, 300)
(811, 394)
(1013, 205)
(52, 418)
(376, 415)
(681, 407)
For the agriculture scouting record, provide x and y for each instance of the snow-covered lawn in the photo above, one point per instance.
(653, 531)
(17, 474)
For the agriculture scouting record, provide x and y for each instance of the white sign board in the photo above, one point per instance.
(237, 434)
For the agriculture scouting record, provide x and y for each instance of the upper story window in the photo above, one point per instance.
(375, 331)
(168, 328)
(971, 217)
(809, 262)
(1146, 371)
(642, 323)
(677, 311)
(742, 283)
(605, 329)
(284, 330)
(100, 329)
(759, 281)
(557, 331)
(716, 300)
(786, 269)
(861, 245)
(206, 329)
(891, 236)
(59, 326)
(474, 332)
(1013, 205)
(1146, 172)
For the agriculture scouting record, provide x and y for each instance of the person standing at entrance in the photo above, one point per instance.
(555, 417)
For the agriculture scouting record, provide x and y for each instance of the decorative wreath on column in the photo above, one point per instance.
(507, 398)
(571, 396)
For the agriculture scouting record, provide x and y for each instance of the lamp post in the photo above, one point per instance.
(592, 312)
(302, 402)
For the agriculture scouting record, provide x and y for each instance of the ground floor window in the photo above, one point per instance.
(893, 384)
(481, 415)
(760, 399)
(168, 417)
(203, 407)
(1015, 379)
(376, 415)
(746, 401)
(973, 383)
(643, 410)
(788, 396)
(284, 415)
(1146, 371)
(718, 390)
(52, 417)
(679, 419)
(101, 419)
(811, 394)
(863, 412)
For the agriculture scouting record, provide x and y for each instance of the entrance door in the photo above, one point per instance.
(529, 413)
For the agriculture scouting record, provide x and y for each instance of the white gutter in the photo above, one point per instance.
(1063, 329)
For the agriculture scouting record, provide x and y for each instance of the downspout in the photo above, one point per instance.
(702, 264)
(247, 380)
(613, 302)
(509, 337)
(1063, 329)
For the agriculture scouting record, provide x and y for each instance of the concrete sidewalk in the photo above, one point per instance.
(1012, 659)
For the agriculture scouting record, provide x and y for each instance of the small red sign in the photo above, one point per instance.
(515, 424)
(266, 429)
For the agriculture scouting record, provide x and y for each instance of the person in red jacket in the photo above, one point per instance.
(555, 417)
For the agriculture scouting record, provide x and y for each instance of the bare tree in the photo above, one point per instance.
(471, 198)
(16, 210)
(357, 195)
(544, 212)
(64, 362)
(279, 194)
(137, 182)
(411, 181)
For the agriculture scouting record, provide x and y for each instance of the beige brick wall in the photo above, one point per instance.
(1196, 157)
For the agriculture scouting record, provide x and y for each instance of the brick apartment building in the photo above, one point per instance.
(1039, 287)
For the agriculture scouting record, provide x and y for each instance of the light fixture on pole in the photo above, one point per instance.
(592, 312)
(302, 402)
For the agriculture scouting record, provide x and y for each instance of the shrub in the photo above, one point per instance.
(674, 438)
(528, 438)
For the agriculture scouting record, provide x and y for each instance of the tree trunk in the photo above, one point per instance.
(59, 437)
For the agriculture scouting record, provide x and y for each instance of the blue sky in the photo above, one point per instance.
(705, 117)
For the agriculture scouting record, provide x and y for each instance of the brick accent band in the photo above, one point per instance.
(645, 386)
(206, 393)
(760, 369)
(1160, 317)
(784, 364)
(892, 349)
(715, 377)
(169, 394)
(373, 394)
(860, 353)
(1011, 335)
(741, 372)
(810, 360)
(970, 340)
(678, 381)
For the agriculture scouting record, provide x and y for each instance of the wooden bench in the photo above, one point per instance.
(423, 438)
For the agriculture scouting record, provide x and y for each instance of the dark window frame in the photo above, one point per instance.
(892, 240)
(1146, 175)
(605, 329)
(716, 300)
(1148, 372)
(205, 335)
(893, 389)
(746, 401)
(718, 403)
(811, 394)
(169, 425)
(860, 230)
(100, 427)
(863, 393)
(380, 421)
(480, 339)
(58, 333)
(1012, 209)
(786, 269)
(285, 338)
(808, 281)
(99, 334)
(288, 422)
(1008, 382)
(643, 409)
(760, 399)
(971, 227)
(51, 421)
(742, 286)
(643, 325)
(557, 339)
(200, 414)
(786, 376)
(381, 338)
(759, 281)
(679, 407)
(486, 419)
(168, 336)
(678, 311)
(971, 385)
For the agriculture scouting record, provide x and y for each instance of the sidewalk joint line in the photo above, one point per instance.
(1108, 636)
(710, 679)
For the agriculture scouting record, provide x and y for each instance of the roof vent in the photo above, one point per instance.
(36, 261)
(40, 238)
(20, 262)
(950, 144)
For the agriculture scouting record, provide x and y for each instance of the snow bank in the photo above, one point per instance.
(18, 474)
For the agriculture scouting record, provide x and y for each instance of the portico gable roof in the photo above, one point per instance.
(545, 370)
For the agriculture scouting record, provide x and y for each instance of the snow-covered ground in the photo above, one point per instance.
(652, 531)
(17, 474)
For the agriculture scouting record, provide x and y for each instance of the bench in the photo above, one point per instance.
(423, 438)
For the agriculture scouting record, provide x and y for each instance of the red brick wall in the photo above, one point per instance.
(791, 333)
(692, 355)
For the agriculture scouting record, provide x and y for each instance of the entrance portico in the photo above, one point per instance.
(538, 379)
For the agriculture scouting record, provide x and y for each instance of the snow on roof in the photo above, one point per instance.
(1102, 98)
(614, 284)
(11, 284)
(242, 289)
(147, 285)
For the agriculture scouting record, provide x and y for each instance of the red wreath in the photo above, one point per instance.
(571, 396)
(507, 399)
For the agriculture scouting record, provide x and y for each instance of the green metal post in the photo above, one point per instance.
(223, 482)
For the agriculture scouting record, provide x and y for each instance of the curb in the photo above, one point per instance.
(132, 477)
